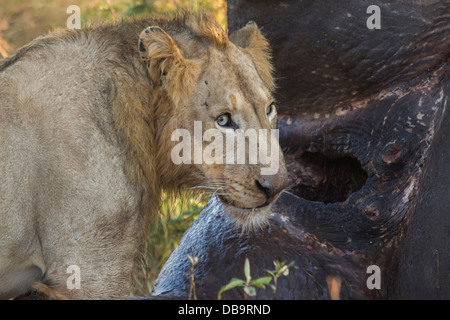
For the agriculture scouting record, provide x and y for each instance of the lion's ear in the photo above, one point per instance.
(252, 40)
(166, 65)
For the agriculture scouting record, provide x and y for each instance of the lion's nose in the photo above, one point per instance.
(270, 187)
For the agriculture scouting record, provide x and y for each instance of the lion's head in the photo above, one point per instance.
(220, 91)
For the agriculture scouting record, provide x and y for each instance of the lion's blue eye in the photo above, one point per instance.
(224, 120)
(270, 108)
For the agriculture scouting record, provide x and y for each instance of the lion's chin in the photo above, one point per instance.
(248, 218)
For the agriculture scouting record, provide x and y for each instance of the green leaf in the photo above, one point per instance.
(247, 270)
(232, 284)
(251, 291)
(284, 271)
(193, 260)
(270, 273)
(277, 265)
(261, 282)
(292, 265)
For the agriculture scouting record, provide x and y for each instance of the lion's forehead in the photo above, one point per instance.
(233, 78)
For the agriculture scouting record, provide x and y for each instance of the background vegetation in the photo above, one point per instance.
(23, 20)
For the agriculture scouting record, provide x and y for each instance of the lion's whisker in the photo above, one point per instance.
(208, 187)
(219, 194)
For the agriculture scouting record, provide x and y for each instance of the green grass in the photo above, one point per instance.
(176, 215)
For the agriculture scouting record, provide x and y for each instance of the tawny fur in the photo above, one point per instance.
(86, 118)
(48, 292)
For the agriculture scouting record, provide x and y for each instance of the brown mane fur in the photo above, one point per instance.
(147, 119)
(139, 113)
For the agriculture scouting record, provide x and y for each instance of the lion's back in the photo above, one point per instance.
(54, 111)
(61, 159)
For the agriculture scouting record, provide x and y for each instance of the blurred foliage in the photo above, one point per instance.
(176, 215)
(107, 9)
(23, 20)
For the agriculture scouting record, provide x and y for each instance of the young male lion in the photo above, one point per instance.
(86, 124)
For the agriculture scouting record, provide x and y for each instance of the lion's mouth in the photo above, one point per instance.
(229, 202)
(248, 218)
